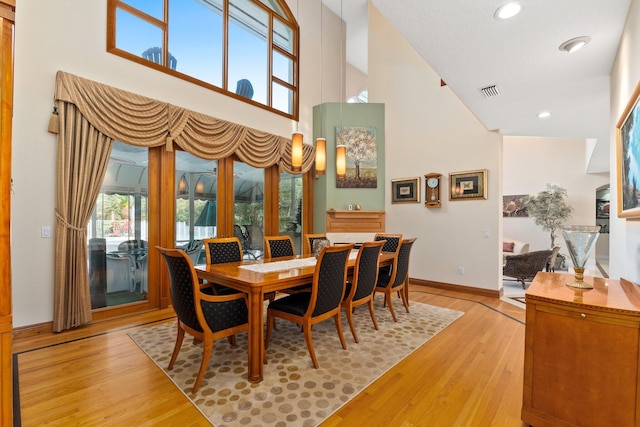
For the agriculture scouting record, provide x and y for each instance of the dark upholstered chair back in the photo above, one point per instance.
(331, 276)
(401, 265)
(393, 240)
(278, 246)
(182, 285)
(223, 250)
(366, 273)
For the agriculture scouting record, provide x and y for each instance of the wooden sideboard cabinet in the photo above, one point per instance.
(581, 353)
(356, 221)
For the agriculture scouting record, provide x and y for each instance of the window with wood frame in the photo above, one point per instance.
(247, 49)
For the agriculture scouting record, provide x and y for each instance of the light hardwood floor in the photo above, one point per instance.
(468, 375)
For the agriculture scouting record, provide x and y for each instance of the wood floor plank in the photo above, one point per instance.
(469, 374)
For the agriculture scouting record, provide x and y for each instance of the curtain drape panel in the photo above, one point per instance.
(91, 116)
(82, 157)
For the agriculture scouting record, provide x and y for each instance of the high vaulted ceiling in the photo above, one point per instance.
(470, 49)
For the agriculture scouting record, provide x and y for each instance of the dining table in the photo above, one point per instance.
(258, 277)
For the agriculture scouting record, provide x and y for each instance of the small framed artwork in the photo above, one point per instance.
(405, 190)
(513, 206)
(628, 158)
(468, 185)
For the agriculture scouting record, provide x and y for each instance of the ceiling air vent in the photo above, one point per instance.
(490, 91)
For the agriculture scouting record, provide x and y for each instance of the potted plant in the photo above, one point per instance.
(550, 211)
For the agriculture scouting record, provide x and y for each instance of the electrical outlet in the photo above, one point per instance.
(45, 232)
(461, 270)
(486, 233)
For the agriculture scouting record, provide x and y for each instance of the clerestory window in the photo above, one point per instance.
(247, 49)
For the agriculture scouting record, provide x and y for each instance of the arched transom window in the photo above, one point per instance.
(247, 49)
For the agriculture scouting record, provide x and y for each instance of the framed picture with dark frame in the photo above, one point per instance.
(628, 158)
(468, 185)
(405, 190)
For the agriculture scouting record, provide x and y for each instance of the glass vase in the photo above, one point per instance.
(580, 241)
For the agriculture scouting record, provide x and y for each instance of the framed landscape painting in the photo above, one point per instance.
(362, 156)
(628, 158)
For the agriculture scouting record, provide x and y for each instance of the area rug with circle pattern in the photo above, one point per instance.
(293, 393)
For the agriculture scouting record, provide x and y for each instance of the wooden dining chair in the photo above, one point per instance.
(322, 303)
(391, 245)
(206, 317)
(282, 246)
(363, 285)
(392, 241)
(221, 250)
(309, 239)
(398, 279)
(278, 246)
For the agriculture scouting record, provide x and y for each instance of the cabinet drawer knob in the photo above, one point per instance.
(583, 315)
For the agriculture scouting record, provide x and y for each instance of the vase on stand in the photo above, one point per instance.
(580, 240)
(318, 245)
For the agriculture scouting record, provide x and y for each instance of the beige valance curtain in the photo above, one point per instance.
(138, 120)
(90, 117)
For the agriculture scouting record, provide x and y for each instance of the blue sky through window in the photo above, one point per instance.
(196, 41)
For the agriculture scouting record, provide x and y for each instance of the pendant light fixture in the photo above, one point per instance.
(321, 156)
(296, 139)
(341, 161)
(341, 149)
(296, 152)
(321, 143)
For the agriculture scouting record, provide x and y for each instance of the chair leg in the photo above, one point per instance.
(339, 328)
(176, 349)
(271, 297)
(387, 296)
(349, 311)
(406, 289)
(206, 355)
(312, 353)
(232, 340)
(373, 314)
(270, 323)
(405, 300)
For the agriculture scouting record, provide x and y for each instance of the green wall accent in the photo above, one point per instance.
(325, 194)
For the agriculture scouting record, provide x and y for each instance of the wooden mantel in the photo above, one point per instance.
(357, 221)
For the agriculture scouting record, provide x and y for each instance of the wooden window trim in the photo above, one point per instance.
(113, 5)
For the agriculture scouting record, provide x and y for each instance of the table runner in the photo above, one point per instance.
(270, 267)
(288, 264)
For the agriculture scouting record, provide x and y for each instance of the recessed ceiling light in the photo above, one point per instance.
(508, 10)
(574, 44)
(543, 114)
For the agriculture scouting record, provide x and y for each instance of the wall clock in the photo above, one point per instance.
(432, 192)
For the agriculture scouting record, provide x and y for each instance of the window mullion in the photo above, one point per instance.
(150, 19)
(225, 44)
(165, 35)
(270, 61)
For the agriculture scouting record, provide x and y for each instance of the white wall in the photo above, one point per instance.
(70, 35)
(428, 129)
(624, 249)
(529, 164)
